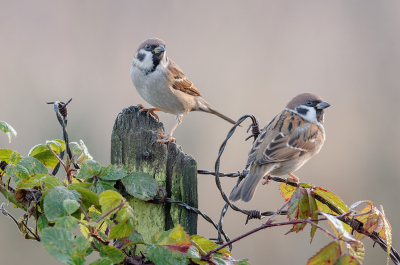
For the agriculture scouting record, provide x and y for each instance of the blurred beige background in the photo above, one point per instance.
(245, 57)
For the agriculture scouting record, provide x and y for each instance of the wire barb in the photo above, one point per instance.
(255, 128)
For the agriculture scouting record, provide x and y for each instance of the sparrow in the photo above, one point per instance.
(162, 83)
(285, 144)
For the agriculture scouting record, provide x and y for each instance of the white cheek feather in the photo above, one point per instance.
(311, 114)
(146, 63)
(164, 60)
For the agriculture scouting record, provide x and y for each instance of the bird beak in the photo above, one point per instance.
(159, 49)
(323, 105)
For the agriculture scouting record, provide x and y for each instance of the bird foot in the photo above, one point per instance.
(149, 111)
(292, 178)
(166, 139)
(267, 180)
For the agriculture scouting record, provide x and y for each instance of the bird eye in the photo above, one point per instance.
(147, 46)
(309, 103)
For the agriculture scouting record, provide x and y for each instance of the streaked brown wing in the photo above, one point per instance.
(181, 82)
(291, 138)
(260, 139)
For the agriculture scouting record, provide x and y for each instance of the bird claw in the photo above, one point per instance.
(292, 178)
(149, 111)
(165, 139)
(267, 180)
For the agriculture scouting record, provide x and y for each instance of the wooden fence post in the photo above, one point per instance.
(133, 145)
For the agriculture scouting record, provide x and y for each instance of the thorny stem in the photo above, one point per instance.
(5, 212)
(269, 223)
(110, 211)
(98, 237)
(59, 159)
(265, 225)
(84, 213)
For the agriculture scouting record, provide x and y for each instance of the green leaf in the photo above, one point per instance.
(288, 190)
(42, 152)
(80, 245)
(102, 262)
(47, 158)
(66, 222)
(207, 245)
(70, 205)
(112, 172)
(132, 239)
(112, 253)
(332, 198)
(32, 165)
(84, 185)
(169, 247)
(175, 236)
(109, 200)
(163, 255)
(88, 198)
(7, 129)
(94, 213)
(89, 168)
(101, 186)
(194, 254)
(299, 209)
(141, 185)
(327, 255)
(43, 180)
(76, 150)
(63, 245)
(82, 150)
(370, 221)
(21, 172)
(5, 155)
(56, 145)
(42, 222)
(357, 250)
(313, 213)
(126, 223)
(53, 202)
(15, 157)
(89, 251)
(347, 259)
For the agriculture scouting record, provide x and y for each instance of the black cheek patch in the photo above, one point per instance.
(156, 62)
(141, 56)
(302, 111)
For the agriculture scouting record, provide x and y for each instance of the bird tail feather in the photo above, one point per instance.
(204, 106)
(246, 190)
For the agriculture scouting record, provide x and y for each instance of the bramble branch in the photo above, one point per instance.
(6, 213)
(110, 211)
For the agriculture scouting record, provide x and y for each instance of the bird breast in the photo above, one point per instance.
(155, 89)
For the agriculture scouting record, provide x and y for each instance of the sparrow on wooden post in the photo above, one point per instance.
(163, 84)
(285, 144)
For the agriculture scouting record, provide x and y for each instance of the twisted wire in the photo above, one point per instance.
(62, 116)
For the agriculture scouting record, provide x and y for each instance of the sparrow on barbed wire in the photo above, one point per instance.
(285, 144)
(163, 84)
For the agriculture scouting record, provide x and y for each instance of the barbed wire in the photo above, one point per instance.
(62, 116)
